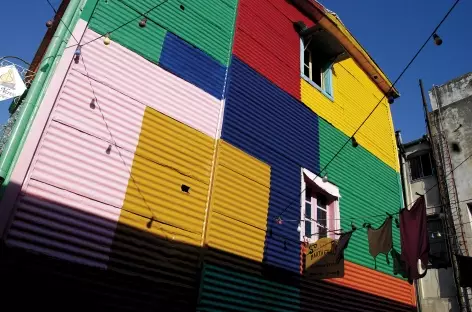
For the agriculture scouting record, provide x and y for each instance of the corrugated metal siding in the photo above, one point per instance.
(72, 199)
(193, 65)
(368, 187)
(355, 95)
(224, 289)
(122, 70)
(266, 40)
(376, 283)
(110, 15)
(239, 204)
(206, 24)
(166, 251)
(267, 123)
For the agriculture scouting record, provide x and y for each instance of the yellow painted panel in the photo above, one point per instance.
(239, 204)
(168, 155)
(355, 95)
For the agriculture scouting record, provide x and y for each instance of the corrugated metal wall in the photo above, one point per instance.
(239, 203)
(269, 124)
(149, 84)
(368, 187)
(355, 95)
(207, 25)
(266, 40)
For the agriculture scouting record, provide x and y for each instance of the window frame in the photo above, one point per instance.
(333, 221)
(326, 76)
(422, 175)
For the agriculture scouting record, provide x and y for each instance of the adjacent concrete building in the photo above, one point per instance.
(437, 290)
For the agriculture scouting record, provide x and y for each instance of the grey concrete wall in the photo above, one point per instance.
(451, 92)
(456, 123)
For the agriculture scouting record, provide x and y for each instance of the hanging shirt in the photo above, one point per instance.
(342, 244)
(399, 267)
(465, 270)
(414, 238)
(380, 240)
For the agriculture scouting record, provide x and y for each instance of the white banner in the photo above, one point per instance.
(11, 84)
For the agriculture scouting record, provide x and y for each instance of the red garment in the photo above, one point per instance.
(414, 238)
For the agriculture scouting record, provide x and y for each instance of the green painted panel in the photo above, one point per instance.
(88, 9)
(368, 187)
(206, 24)
(224, 289)
(110, 15)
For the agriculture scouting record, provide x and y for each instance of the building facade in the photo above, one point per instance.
(437, 290)
(176, 155)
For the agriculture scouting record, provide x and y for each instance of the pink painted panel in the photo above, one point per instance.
(62, 224)
(147, 83)
(83, 164)
(96, 109)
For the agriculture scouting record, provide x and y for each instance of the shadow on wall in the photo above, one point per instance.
(146, 272)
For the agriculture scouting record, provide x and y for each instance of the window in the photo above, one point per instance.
(438, 253)
(317, 66)
(320, 209)
(420, 166)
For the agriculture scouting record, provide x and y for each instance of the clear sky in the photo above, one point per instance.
(391, 31)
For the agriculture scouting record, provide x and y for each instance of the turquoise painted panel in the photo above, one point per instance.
(368, 187)
(206, 24)
(223, 289)
(111, 15)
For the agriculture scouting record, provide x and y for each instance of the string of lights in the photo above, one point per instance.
(336, 155)
(438, 41)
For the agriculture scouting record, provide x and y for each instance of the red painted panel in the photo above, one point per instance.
(266, 40)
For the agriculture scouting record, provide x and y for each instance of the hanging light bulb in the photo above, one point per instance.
(354, 142)
(107, 40)
(390, 99)
(279, 220)
(437, 40)
(325, 178)
(142, 23)
(78, 51)
(49, 23)
(299, 228)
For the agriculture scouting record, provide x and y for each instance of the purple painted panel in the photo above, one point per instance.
(147, 83)
(62, 224)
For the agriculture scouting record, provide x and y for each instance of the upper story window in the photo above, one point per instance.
(319, 209)
(317, 66)
(420, 166)
(438, 253)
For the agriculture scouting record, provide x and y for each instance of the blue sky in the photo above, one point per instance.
(391, 31)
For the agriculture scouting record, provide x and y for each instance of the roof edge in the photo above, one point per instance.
(334, 25)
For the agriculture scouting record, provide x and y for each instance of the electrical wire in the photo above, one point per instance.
(67, 27)
(121, 26)
(383, 97)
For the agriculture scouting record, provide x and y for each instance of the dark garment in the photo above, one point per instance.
(399, 267)
(414, 238)
(465, 270)
(342, 244)
(380, 240)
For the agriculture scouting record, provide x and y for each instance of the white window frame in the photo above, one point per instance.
(333, 218)
(325, 90)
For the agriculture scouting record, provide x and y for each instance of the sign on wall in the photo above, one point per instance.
(11, 84)
(321, 260)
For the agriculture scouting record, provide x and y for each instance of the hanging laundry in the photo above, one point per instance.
(380, 240)
(342, 244)
(399, 266)
(414, 239)
(465, 270)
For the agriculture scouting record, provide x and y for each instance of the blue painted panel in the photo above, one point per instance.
(269, 124)
(192, 65)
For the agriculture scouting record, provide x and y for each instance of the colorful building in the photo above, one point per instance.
(172, 161)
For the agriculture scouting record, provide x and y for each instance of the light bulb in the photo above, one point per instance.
(325, 178)
(438, 234)
(142, 23)
(437, 40)
(354, 142)
(107, 40)
(390, 99)
(49, 23)
(299, 228)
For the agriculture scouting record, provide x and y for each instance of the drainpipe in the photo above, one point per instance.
(402, 171)
(36, 92)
